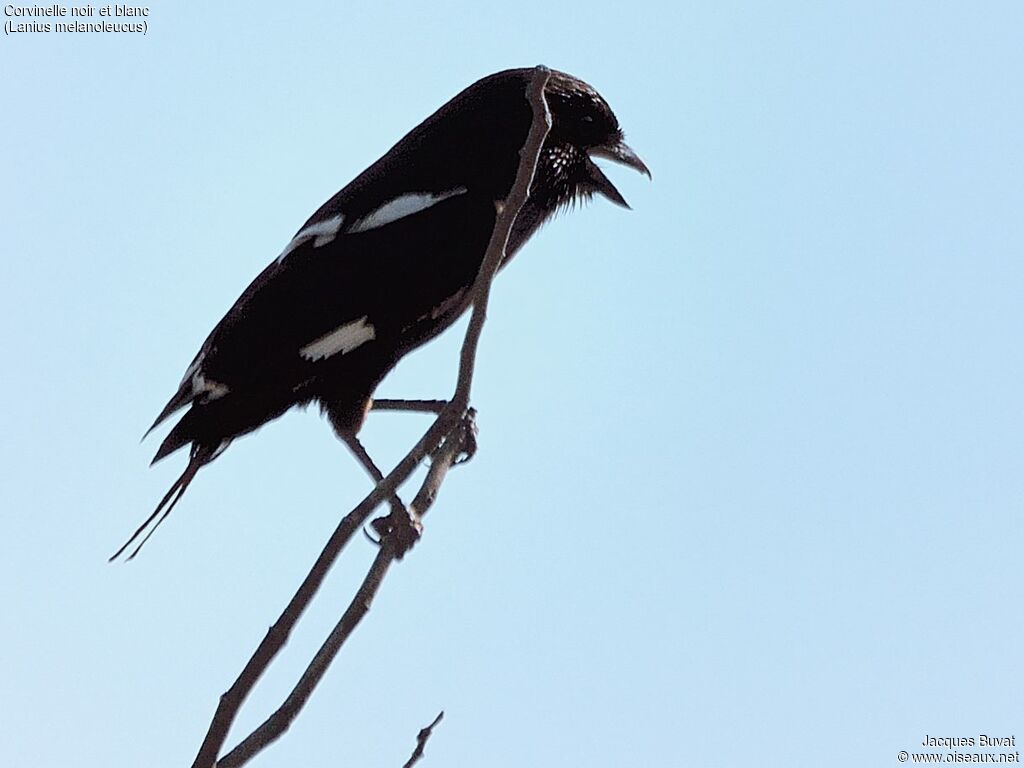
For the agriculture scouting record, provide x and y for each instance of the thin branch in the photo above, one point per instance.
(421, 741)
(529, 155)
(424, 406)
(438, 439)
(277, 636)
(274, 726)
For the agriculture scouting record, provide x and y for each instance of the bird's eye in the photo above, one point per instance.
(588, 119)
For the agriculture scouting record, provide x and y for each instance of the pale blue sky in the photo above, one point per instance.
(749, 489)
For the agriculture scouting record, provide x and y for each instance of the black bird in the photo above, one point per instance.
(386, 265)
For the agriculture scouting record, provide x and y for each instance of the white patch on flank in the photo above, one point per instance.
(324, 231)
(402, 206)
(202, 386)
(343, 339)
(221, 447)
(209, 389)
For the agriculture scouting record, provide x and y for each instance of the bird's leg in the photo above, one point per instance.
(364, 458)
(401, 518)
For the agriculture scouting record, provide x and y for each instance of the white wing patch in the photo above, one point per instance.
(343, 339)
(402, 206)
(323, 231)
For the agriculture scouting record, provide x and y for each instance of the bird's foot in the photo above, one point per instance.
(469, 433)
(402, 527)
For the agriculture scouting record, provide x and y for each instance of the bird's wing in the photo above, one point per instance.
(382, 271)
(380, 283)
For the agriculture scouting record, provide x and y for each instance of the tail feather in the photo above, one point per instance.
(181, 398)
(200, 455)
(183, 433)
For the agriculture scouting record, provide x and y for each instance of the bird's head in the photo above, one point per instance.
(473, 143)
(583, 127)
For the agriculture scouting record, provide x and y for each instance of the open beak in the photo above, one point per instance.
(618, 152)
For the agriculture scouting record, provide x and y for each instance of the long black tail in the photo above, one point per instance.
(201, 455)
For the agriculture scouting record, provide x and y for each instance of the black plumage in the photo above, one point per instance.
(386, 264)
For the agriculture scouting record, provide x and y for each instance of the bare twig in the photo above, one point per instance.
(528, 157)
(277, 635)
(438, 440)
(421, 741)
(424, 406)
(391, 548)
